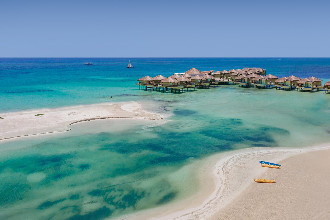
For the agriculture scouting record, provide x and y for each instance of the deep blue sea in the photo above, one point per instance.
(110, 168)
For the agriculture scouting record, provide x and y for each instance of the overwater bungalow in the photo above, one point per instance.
(239, 78)
(279, 83)
(258, 71)
(269, 80)
(225, 74)
(145, 80)
(216, 74)
(314, 83)
(302, 85)
(207, 72)
(247, 77)
(327, 87)
(169, 81)
(187, 75)
(291, 81)
(196, 79)
(157, 79)
(183, 80)
(234, 75)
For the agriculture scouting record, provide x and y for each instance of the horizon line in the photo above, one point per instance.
(148, 57)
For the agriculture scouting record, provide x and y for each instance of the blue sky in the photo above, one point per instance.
(146, 28)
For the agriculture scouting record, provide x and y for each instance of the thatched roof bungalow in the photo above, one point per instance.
(145, 79)
(187, 75)
(303, 82)
(314, 82)
(217, 74)
(240, 78)
(196, 78)
(208, 72)
(169, 81)
(327, 85)
(280, 81)
(225, 74)
(157, 79)
(269, 79)
(292, 81)
(183, 80)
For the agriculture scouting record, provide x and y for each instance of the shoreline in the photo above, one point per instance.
(47, 121)
(301, 191)
(222, 178)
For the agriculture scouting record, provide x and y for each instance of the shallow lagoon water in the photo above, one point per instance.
(109, 168)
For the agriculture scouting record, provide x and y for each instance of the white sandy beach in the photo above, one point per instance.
(28, 123)
(225, 177)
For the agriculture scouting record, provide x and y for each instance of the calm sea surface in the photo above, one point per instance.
(110, 168)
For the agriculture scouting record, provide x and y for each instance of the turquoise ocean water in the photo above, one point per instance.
(110, 168)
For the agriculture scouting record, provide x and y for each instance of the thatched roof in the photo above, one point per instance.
(216, 73)
(253, 76)
(187, 75)
(146, 78)
(208, 72)
(314, 79)
(193, 71)
(327, 83)
(169, 80)
(182, 79)
(175, 76)
(198, 77)
(241, 77)
(270, 76)
(281, 80)
(208, 77)
(292, 78)
(301, 81)
(159, 77)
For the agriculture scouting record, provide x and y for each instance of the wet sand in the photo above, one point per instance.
(37, 122)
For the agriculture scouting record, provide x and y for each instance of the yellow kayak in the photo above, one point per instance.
(270, 166)
(264, 181)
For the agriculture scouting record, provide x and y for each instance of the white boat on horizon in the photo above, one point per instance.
(130, 65)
